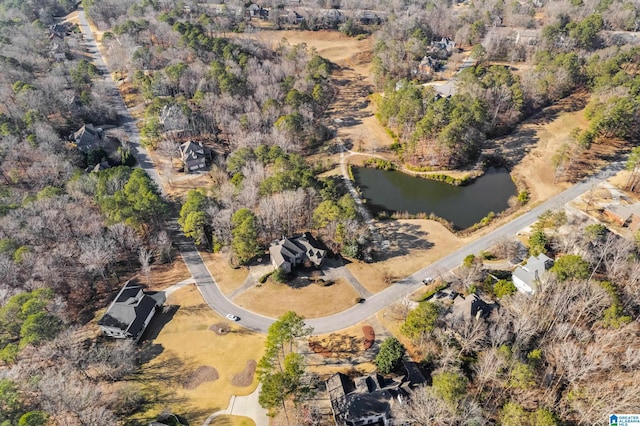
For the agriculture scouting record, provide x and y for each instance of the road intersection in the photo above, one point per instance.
(218, 302)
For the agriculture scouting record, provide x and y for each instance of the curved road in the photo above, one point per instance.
(219, 303)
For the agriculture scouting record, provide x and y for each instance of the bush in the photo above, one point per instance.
(279, 275)
(390, 355)
(430, 293)
(263, 279)
(523, 197)
(504, 288)
(379, 163)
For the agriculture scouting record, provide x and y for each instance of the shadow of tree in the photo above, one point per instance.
(403, 237)
(515, 147)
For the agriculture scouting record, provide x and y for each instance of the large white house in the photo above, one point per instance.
(527, 277)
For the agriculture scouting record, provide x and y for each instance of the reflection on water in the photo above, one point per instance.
(463, 205)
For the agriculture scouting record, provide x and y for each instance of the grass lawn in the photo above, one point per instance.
(273, 299)
(344, 352)
(232, 421)
(167, 274)
(193, 368)
(392, 322)
(228, 279)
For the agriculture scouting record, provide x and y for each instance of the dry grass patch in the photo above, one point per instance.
(185, 344)
(203, 374)
(312, 301)
(538, 139)
(167, 274)
(177, 183)
(227, 278)
(390, 321)
(245, 377)
(331, 45)
(228, 420)
(413, 244)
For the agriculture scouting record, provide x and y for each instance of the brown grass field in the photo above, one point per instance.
(185, 344)
(164, 275)
(414, 244)
(274, 299)
(228, 279)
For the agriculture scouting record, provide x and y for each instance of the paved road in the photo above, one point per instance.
(128, 123)
(413, 282)
(219, 303)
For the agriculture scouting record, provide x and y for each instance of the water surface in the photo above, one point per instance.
(393, 191)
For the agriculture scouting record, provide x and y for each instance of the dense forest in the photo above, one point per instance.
(572, 47)
(67, 237)
(565, 355)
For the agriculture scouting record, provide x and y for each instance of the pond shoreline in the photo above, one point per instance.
(400, 194)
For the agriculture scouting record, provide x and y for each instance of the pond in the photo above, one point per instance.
(393, 191)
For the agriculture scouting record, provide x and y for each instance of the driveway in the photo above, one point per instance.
(247, 406)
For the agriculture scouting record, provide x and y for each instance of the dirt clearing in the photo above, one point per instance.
(203, 374)
(245, 377)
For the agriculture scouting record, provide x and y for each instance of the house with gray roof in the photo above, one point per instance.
(88, 137)
(130, 312)
(287, 253)
(365, 400)
(193, 156)
(470, 306)
(527, 277)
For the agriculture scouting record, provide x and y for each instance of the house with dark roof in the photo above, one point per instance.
(427, 66)
(289, 252)
(193, 156)
(365, 400)
(332, 17)
(527, 277)
(88, 137)
(130, 312)
(294, 17)
(470, 306)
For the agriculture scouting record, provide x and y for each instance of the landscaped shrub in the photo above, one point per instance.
(379, 163)
(279, 275)
(369, 336)
(429, 294)
(263, 279)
